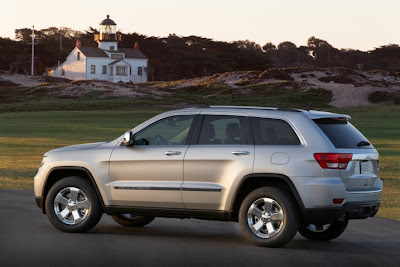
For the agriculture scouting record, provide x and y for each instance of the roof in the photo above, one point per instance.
(116, 61)
(107, 21)
(97, 52)
(131, 53)
(93, 52)
(313, 114)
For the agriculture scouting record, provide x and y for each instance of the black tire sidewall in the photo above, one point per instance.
(136, 222)
(95, 211)
(334, 231)
(291, 219)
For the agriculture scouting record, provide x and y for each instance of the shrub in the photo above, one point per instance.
(275, 74)
(380, 96)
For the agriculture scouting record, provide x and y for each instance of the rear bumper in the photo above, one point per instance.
(350, 210)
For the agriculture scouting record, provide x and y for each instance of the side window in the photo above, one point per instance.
(168, 131)
(227, 130)
(273, 132)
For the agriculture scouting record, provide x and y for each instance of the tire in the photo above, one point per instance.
(132, 220)
(268, 217)
(329, 232)
(72, 205)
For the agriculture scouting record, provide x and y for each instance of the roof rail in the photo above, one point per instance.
(263, 108)
(245, 107)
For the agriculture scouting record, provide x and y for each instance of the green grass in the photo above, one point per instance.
(26, 136)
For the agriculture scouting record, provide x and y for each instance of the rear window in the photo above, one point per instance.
(273, 132)
(342, 133)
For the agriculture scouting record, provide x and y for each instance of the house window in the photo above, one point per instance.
(78, 56)
(63, 72)
(111, 70)
(93, 69)
(130, 70)
(117, 56)
(121, 71)
(112, 48)
(104, 70)
(139, 70)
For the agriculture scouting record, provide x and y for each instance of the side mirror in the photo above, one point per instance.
(128, 139)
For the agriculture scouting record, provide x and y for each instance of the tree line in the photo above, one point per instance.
(177, 57)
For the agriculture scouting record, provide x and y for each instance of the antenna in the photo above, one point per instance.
(33, 49)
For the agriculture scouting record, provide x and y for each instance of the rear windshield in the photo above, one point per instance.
(342, 134)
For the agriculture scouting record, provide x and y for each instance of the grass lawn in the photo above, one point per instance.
(26, 136)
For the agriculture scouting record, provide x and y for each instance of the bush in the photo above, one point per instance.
(275, 74)
(6, 83)
(380, 96)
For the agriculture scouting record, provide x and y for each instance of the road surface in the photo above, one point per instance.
(28, 239)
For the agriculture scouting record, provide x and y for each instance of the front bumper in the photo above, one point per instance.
(40, 203)
(349, 210)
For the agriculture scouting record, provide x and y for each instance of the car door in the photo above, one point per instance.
(150, 173)
(221, 156)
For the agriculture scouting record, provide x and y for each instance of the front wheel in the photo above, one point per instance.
(132, 220)
(268, 217)
(323, 232)
(72, 205)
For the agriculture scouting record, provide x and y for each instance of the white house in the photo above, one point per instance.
(105, 62)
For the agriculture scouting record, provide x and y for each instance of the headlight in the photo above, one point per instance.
(43, 161)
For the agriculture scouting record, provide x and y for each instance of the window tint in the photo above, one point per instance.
(341, 133)
(273, 132)
(223, 130)
(168, 131)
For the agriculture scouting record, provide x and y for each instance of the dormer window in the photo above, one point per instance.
(117, 56)
(78, 56)
(112, 48)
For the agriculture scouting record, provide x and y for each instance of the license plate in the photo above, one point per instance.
(365, 167)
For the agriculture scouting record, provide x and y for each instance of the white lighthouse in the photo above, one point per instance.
(107, 61)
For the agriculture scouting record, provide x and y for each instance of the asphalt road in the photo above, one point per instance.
(28, 239)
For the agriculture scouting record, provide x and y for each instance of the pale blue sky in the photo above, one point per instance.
(361, 24)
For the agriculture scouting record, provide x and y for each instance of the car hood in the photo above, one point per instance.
(77, 147)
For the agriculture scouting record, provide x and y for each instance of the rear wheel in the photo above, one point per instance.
(132, 220)
(323, 232)
(72, 205)
(268, 217)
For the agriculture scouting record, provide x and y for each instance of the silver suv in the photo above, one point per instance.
(275, 171)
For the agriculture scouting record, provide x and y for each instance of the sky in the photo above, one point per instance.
(355, 24)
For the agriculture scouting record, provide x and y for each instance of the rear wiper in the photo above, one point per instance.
(363, 143)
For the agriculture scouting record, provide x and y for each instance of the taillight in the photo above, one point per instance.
(333, 160)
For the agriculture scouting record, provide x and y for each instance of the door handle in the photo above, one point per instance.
(172, 153)
(240, 153)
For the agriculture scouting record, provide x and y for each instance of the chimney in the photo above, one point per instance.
(136, 47)
(78, 43)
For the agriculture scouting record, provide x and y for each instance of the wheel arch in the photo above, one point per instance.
(253, 181)
(58, 173)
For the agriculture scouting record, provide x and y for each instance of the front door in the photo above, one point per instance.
(221, 157)
(151, 172)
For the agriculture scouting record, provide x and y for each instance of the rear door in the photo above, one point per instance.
(221, 155)
(362, 171)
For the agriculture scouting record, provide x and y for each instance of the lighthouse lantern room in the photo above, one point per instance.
(108, 38)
